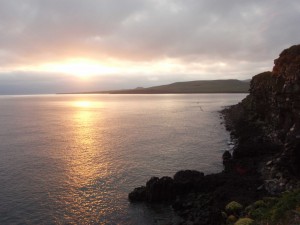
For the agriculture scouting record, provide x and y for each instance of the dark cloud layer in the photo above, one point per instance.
(245, 35)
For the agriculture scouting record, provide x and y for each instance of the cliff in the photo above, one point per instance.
(272, 112)
(265, 161)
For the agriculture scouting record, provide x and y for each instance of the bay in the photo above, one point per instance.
(73, 159)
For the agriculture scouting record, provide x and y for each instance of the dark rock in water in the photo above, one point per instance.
(138, 194)
(160, 189)
(156, 190)
(198, 198)
(166, 188)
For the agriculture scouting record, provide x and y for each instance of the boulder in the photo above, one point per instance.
(156, 190)
(160, 189)
(138, 194)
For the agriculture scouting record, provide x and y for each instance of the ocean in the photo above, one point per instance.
(73, 159)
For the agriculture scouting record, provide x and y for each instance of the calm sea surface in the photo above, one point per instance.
(73, 159)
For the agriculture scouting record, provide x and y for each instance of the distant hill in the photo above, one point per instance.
(201, 86)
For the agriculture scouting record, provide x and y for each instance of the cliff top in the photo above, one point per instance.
(288, 63)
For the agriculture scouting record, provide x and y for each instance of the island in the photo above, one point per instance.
(260, 181)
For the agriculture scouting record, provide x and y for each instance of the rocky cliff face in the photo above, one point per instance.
(286, 101)
(271, 117)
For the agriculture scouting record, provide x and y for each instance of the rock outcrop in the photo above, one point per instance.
(166, 189)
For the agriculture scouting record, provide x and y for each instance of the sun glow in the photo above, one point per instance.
(86, 104)
(83, 104)
(88, 67)
(78, 67)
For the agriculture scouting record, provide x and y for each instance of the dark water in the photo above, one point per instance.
(72, 159)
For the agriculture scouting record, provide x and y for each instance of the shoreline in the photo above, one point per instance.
(262, 172)
(200, 199)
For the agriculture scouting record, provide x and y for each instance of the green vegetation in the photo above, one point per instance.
(231, 219)
(234, 208)
(281, 210)
(275, 210)
(245, 221)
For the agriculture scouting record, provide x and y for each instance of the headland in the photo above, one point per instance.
(260, 181)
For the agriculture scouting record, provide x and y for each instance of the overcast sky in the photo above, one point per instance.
(49, 46)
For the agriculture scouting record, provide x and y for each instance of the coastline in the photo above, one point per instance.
(262, 173)
(200, 199)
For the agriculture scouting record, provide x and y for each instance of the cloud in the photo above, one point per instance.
(244, 35)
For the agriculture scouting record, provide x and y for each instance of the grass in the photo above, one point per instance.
(281, 210)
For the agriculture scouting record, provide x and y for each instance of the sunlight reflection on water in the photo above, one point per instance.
(73, 159)
(86, 104)
(83, 171)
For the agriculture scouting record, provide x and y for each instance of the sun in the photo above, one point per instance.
(83, 104)
(79, 67)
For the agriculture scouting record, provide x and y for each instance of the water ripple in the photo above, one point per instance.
(73, 159)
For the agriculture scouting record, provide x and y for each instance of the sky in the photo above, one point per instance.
(50, 46)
